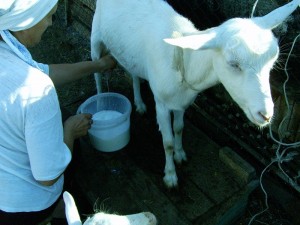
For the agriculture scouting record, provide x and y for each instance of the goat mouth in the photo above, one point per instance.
(254, 119)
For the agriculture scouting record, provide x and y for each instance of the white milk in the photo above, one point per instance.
(106, 115)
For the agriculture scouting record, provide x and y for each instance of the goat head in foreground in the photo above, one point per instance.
(102, 218)
(153, 42)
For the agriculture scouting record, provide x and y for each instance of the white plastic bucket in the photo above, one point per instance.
(110, 130)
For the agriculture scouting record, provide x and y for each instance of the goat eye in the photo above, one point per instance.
(235, 65)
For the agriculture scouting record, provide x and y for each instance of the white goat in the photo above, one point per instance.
(73, 217)
(152, 41)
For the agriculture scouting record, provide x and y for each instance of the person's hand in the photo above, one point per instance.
(106, 63)
(77, 126)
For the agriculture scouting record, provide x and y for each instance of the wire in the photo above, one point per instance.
(280, 157)
(266, 194)
(253, 9)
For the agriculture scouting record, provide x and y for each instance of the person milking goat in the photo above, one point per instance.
(36, 145)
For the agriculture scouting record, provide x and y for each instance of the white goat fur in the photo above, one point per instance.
(152, 41)
(73, 218)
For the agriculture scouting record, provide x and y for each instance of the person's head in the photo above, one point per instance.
(27, 19)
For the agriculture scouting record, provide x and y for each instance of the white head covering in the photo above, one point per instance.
(16, 15)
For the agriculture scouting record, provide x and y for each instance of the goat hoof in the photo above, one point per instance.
(180, 157)
(171, 181)
(141, 108)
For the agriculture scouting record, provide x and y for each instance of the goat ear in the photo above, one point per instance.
(204, 40)
(277, 16)
(72, 214)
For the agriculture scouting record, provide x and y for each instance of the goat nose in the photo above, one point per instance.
(265, 116)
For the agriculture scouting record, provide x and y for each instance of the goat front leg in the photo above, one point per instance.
(164, 122)
(138, 101)
(178, 125)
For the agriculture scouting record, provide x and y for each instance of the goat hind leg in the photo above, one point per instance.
(138, 101)
(96, 52)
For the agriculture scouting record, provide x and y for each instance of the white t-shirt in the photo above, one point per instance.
(31, 136)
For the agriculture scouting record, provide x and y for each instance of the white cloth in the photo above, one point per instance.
(31, 136)
(16, 15)
(21, 51)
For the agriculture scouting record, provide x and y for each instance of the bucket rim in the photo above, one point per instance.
(108, 122)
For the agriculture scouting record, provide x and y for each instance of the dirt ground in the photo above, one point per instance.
(62, 44)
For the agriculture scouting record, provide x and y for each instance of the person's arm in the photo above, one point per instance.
(49, 182)
(65, 73)
(74, 127)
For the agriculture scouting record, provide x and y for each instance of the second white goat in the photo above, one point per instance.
(153, 42)
(101, 218)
